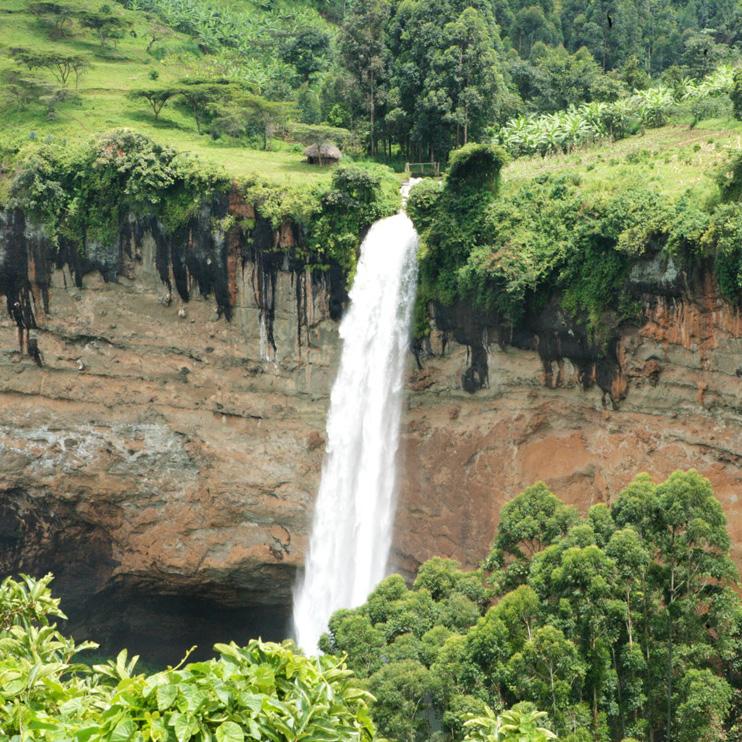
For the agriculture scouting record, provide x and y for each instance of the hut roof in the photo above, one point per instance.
(327, 151)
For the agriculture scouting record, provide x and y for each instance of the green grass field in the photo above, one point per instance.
(673, 159)
(113, 72)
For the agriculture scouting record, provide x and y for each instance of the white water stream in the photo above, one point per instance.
(354, 512)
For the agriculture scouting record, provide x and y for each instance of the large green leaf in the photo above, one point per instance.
(229, 732)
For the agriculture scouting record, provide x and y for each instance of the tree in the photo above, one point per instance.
(588, 636)
(364, 52)
(57, 15)
(21, 89)
(108, 28)
(529, 26)
(157, 32)
(737, 95)
(610, 30)
(520, 610)
(308, 51)
(693, 546)
(582, 583)
(61, 65)
(528, 523)
(703, 702)
(469, 63)
(547, 670)
(565, 79)
(400, 689)
(445, 77)
(157, 98)
(352, 633)
(632, 561)
(443, 578)
(239, 113)
(701, 54)
(200, 97)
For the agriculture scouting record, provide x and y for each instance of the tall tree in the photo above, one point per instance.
(470, 69)
(364, 51)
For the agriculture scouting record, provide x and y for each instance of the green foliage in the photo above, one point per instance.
(354, 202)
(730, 179)
(528, 523)
(580, 124)
(108, 28)
(477, 166)
(723, 238)
(613, 614)
(522, 723)
(549, 240)
(83, 194)
(320, 134)
(262, 691)
(448, 223)
(272, 47)
(703, 702)
(737, 94)
(156, 98)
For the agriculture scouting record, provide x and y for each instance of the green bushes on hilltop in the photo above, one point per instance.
(262, 691)
(84, 195)
(335, 218)
(624, 623)
(548, 238)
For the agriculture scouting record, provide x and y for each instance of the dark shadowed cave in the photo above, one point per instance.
(155, 618)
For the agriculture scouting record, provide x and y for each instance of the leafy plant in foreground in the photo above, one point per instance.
(262, 691)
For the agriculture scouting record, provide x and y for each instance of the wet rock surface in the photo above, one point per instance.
(163, 460)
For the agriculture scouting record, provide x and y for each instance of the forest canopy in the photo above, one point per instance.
(620, 624)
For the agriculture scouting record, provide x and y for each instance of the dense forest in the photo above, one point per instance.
(622, 624)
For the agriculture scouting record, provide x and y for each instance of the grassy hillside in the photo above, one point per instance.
(671, 160)
(243, 40)
(101, 102)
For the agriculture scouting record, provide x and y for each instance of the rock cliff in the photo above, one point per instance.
(163, 458)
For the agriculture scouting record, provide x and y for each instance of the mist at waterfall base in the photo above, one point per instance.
(354, 512)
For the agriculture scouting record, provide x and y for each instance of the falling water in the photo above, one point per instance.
(354, 513)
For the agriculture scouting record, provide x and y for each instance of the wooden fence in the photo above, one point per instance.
(422, 169)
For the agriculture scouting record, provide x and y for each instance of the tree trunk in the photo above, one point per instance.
(668, 731)
(372, 111)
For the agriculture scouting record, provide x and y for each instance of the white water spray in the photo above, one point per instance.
(354, 513)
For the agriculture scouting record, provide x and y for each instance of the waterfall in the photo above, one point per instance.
(354, 512)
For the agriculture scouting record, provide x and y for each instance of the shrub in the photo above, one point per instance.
(260, 691)
(730, 180)
(737, 94)
(355, 200)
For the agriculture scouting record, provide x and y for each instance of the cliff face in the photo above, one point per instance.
(162, 460)
(550, 403)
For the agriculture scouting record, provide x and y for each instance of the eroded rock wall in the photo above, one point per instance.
(163, 459)
(467, 454)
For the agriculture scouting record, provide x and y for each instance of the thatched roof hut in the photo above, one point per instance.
(324, 154)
